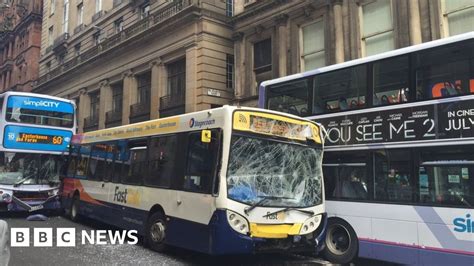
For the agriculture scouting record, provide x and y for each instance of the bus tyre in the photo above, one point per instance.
(74, 209)
(156, 232)
(341, 241)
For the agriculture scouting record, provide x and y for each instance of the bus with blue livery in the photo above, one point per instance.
(399, 160)
(223, 181)
(35, 132)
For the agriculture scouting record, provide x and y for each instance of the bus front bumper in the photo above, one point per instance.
(17, 205)
(227, 241)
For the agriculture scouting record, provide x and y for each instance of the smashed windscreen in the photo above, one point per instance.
(29, 168)
(289, 173)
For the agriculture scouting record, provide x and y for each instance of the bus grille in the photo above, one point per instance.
(31, 195)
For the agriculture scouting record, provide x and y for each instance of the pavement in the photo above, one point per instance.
(110, 254)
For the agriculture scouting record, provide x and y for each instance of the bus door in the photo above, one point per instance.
(195, 201)
(95, 192)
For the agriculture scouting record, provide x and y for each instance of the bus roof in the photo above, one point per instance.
(389, 54)
(212, 118)
(29, 94)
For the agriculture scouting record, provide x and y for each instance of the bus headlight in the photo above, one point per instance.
(310, 225)
(238, 222)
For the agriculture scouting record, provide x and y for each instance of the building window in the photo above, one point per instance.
(144, 86)
(177, 77)
(117, 98)
(97, 37)
(52, 7)
(230, 71)
(229, 8)
(313, 55)
(377, 28)
(80, 14)
(118, 25)
(262, 56)
(95, 100)
(65, 16)
(77, 49)
(50, 35)
(98, 6)
(458, 16)
(145, 10)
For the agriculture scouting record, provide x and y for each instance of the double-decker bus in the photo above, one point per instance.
(399, 157)
(35, 133)
(224, 181)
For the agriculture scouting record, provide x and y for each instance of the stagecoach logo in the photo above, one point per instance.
(196, 123)
(11, 136)
(41, 103)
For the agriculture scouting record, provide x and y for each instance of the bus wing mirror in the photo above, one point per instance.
(206, 136)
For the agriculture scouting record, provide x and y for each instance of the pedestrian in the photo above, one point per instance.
(4, 248)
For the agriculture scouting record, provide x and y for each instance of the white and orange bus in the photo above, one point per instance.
(223, 181)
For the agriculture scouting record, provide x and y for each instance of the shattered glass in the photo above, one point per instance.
(29, 168)
(291, 172)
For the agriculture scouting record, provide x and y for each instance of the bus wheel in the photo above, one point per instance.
(74, 209)
(341, 241)
(156, 232)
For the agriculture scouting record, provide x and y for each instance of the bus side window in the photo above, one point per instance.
(97, 162)
(200, 163)
(393, 179)
(109, 162)
(390, 81)
(162, 161)
(135, 166)
(82, 161)
(72, 161)
(444, 72)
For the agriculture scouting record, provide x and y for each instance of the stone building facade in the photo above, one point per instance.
(278, 38)
(20, 39)
(133, 60)
(126, 61)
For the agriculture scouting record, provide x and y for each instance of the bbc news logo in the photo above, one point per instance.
(66, 237)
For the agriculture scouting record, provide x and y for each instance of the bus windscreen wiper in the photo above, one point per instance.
(310, 213)
(260, 202)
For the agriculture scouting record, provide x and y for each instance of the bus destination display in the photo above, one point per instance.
(34, 138)
(39, 138)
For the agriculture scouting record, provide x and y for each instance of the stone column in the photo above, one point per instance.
(129, 95)
(7, 84)
(415, 24)
(105, 103)
(155, 90)
(83, 108)
(281, 22)
(239, 55)
(191, 76)
(339, 33)
(10, 49)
